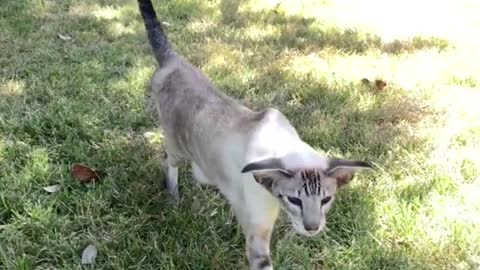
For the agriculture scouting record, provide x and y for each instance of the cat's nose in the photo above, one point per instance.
(311, 227)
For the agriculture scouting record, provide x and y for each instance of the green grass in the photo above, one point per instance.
(83, 100)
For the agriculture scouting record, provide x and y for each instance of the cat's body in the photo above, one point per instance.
(202, 125)
(256, 159)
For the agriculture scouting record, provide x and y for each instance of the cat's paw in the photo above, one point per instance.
(261, 263)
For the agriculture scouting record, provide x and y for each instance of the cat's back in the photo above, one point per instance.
(179, 83)
(190, 108)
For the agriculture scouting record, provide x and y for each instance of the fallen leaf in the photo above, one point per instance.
(380, 84)
(64, 37)
(85, 174)
(89, 254)
(166, 23)
(52, 189)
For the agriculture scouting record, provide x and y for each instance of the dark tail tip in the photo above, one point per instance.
(156, 35)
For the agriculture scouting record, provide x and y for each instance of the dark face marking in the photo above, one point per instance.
(326, 200)
(295, 201)
(311, 182)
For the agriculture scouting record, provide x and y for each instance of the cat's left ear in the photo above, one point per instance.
(344, 170)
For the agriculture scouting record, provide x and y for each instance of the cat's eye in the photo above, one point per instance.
(326, 200)
(295, 201)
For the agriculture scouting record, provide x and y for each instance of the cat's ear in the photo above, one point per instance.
(265, 179)
(344, 170)
(266, 171)
(267, 165)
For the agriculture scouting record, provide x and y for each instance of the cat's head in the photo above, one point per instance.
(306, 193)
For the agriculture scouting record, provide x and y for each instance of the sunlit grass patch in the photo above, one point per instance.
(83, 100)
(11, 88)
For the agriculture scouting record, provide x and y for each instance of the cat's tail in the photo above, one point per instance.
(156, 35)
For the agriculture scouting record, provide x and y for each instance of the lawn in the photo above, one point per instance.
(73, 79)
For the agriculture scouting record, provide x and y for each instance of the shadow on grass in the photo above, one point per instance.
(78, 106)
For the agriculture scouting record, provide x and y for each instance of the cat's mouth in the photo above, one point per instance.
(309, 233)
(300, 230)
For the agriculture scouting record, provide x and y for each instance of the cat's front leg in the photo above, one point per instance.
(258, 248)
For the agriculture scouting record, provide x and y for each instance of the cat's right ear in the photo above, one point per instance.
(265, 179)
(266, 171)
(267, 165)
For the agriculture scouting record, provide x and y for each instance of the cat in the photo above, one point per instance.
(256, 159)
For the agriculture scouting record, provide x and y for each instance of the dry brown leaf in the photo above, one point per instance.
(85, 174)
(380, 84)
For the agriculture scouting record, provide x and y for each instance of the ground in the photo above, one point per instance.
(80, 97)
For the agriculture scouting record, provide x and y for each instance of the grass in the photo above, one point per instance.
(83, 100)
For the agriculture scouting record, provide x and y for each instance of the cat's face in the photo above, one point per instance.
(307, 194)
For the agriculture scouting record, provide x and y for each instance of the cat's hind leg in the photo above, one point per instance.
(171, 182)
